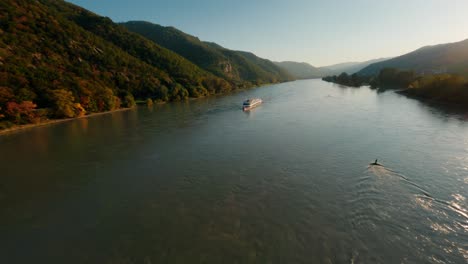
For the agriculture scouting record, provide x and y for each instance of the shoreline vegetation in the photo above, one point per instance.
(148, 102)
(450, 89)
(17, 128)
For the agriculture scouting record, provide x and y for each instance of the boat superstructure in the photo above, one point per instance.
(251, 103)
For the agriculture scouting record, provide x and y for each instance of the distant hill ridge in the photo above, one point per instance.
(349, 67)
(442, 58)
(303, 70)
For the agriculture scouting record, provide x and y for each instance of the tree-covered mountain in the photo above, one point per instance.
(59, 60)
(301, 70)
(443, 58)
(232, 65)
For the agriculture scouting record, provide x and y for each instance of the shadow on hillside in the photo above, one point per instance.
(458, 111)
(385, 88)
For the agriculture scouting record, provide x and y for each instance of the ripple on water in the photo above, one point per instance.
(450, 220)
(463, 252)
(458, 197)
(442, 228)
(424, 202)
(384, 202)
(441, 207)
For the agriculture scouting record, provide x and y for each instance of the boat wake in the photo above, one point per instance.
(390, 203)
(382, 171)
(452, 205)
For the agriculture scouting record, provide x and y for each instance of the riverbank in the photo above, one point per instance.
(18, 128)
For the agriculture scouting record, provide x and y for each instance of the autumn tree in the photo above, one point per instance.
(86, 100)
(149, 102)
(105, 99)
(79, 110)
(21, 113)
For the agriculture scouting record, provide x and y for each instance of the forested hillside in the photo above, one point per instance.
(236, 66)
(301, 70)
(58, 60)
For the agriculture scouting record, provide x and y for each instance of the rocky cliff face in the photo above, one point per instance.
(227, 67)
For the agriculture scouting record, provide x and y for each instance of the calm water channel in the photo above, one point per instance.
(203, 182)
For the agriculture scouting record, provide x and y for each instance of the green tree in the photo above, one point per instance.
(105, 99)
(343, 78)
(129, 100)
(394, 77)
(6, 95)
(63, 103)
(178, 93)
(163, 93)
(25, 94)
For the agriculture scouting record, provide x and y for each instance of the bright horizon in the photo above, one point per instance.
(317, 32)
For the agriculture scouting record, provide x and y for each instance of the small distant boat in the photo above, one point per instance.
(251, 103)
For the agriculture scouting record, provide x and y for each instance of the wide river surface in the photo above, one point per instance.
(204, 182)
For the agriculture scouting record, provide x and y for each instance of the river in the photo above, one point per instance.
(204, 182)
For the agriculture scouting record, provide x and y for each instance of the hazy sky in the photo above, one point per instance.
(318, 32)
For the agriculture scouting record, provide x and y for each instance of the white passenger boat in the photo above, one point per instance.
(251, 103)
